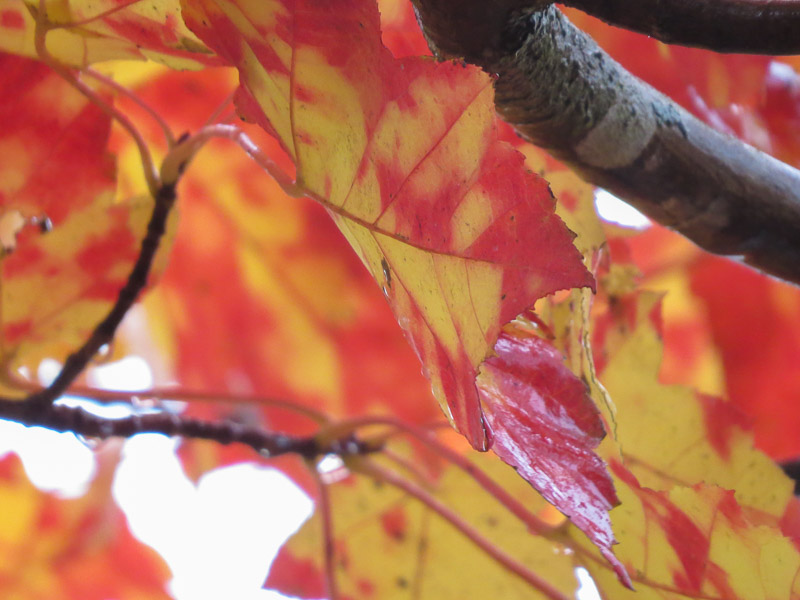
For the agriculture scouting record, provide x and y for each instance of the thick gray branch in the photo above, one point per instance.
(747, 26)
(563, 93)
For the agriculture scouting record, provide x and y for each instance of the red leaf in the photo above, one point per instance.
(544, 424)
(759, 338)
(296, 576)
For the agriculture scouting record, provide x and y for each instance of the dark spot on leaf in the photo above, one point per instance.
(44, 223)
(401, 582)
(394, 523)
(387, 272)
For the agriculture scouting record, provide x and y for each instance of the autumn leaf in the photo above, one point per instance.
(309, 324)
(460, 238)
(389, 545)
(697, 542)
(701, 509)
(78, 549)
(400, 32)
(670, 434)
(746, 350)
(759, 340)
(85, 32)
(546, 426)
(54, 156)
(61, 277)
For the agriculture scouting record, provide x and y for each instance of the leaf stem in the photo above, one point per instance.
(328, 542)
(217, 112)
(380, 473)
(185, 150)
(121, 89)
(409, 466)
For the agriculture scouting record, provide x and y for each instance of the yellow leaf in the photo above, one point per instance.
(405, 156)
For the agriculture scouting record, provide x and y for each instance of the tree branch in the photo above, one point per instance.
(105, 330)
(59, 417)
(563, 93)
(745, 26)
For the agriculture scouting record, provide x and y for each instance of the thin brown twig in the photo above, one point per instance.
(104, 332)
(184, 395)
(380, 473)
(77, 420)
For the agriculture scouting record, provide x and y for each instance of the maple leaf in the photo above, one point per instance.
(670, 434)
(387, 544)
(546, 426)
(57, 285)
(309, 323)
(746, 351)
(698, 542)
(71, 549)
(85, 32)
(759, 340)
(681, 533)
(460, 238)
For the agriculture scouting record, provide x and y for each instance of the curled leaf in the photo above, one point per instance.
(545, 425)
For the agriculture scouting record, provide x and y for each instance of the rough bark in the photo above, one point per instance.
(745, 26)
(563, 93)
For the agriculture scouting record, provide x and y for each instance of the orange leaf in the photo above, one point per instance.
(702, 513)
(697, 542)
(91, 31)
(759, 339)
(54, 156)
(57, 285)
(672, 435)
(389, 545)
(460, 237)
(78, 549)
(287, 309)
